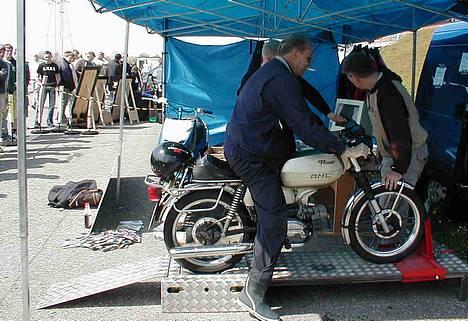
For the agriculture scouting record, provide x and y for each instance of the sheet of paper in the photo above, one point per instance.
(464, 63)
(439, 76)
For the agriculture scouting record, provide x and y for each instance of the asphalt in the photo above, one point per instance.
(54, 159)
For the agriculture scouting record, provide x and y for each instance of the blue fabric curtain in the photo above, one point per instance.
(208, 77)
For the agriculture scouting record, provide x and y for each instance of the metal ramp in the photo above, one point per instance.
(89, 284)
(324, 261)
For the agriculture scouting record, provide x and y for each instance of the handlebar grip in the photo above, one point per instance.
(208, 112)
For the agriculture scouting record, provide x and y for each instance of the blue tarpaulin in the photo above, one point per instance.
(208, 77)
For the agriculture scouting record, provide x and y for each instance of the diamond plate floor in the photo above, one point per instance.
(186, 292)
(101, 281)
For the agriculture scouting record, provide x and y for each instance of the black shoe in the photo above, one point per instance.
(37, 125)
(252, 297)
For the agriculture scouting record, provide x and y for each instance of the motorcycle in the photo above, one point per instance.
(209, 216)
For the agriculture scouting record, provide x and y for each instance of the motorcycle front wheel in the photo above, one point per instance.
(187, 227)
(404, 214)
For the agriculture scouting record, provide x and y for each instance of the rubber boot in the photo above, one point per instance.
(252, 297)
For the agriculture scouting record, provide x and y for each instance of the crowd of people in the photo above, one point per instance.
(59, 75)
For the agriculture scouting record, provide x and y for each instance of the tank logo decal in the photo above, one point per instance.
(321, 175)
(325, 162)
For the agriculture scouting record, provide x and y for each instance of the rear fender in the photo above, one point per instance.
(166, 205)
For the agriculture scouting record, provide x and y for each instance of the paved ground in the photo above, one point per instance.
(55, 159)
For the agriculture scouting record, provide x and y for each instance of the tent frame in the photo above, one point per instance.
(277, 18)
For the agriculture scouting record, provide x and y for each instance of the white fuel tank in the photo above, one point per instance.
(311, 168)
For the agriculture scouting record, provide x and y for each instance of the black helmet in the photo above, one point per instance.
(168, 157)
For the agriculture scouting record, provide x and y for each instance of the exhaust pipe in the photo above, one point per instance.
(210, 250)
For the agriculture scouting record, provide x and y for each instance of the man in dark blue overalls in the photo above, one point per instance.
(259, 139)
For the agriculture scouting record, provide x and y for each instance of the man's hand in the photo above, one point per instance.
(358, 151)
(336, 118)
(391, 179)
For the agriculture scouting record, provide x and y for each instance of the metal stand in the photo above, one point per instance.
(41, 131)
(90, 121)
(58, 129)
(70, 130)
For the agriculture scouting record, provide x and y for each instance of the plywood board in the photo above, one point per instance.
(84, 92)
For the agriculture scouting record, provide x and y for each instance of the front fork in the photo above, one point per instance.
(363, 182)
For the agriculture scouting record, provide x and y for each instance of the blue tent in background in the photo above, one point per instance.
(442, 99)
(208, 77)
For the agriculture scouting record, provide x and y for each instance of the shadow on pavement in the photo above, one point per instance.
(379, 301)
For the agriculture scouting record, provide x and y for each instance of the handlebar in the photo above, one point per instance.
(354, 134)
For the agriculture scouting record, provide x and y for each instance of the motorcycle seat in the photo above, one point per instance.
(210, 168)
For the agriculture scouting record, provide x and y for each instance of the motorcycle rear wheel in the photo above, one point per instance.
(371, 242)
(179, 227)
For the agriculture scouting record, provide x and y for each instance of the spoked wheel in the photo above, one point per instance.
(404, 215)
(197, 228)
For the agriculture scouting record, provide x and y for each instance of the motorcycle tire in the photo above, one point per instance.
(206, 199)
(384, 253)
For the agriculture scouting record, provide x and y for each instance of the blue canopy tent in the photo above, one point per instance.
(346, 21)
(188, 80)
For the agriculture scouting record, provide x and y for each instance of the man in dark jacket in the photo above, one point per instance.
(401, 140)
(4, 67)
(259, 139)
(114, 74)
(68, 86)
(269, 50)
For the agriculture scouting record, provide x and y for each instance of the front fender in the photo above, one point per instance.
(355, 198)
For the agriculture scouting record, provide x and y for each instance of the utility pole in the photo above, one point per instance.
(58, 19)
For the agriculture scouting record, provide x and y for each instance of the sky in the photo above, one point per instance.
(84, 29)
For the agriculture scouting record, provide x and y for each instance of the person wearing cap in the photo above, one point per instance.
(3, 93)
(401, 140)
(312, 95)
(259, 139)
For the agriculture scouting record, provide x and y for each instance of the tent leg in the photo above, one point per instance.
(413, 71)
(22, 175)
(122, 111)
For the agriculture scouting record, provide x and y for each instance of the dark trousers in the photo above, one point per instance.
(264, 184)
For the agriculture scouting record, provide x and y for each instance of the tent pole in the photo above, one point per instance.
(123, 100)
(22, 178)
(413, 72)
(164, 62)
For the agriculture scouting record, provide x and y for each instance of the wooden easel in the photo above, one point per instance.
(131, 111)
